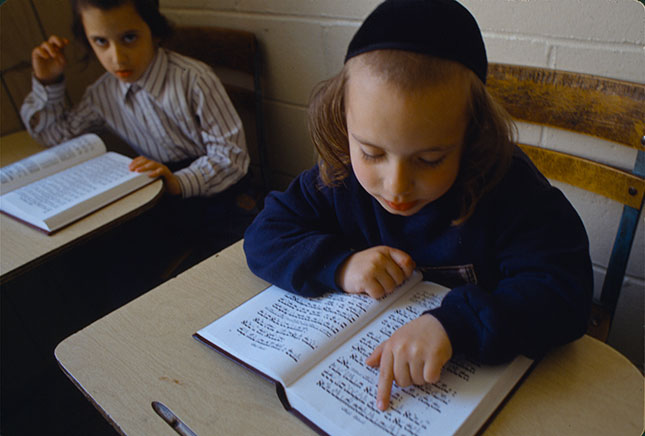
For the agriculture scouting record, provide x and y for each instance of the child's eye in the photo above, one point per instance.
(129, 38)
(371, 157)
(432, 162)
(101, 42)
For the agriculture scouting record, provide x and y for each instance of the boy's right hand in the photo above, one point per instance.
(376, 271)
(48, 60)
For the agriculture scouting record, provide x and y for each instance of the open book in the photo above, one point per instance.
(62, 184)
(314, 349)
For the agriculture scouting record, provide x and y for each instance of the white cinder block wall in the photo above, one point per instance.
(304, 41)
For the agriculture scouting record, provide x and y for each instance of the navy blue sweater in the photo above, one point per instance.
(518, 268)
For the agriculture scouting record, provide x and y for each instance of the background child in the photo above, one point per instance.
(172, 110)
(418, 170)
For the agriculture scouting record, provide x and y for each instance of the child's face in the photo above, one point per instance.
(121, 40)
(404, 147)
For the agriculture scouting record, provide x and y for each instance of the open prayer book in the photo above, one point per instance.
(53, 188)
(314, 350)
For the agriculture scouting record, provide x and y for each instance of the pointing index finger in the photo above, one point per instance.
(385, 379)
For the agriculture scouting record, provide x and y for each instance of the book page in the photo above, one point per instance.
(48, 203)
(50, 161)
(282, 334)
(339, 394)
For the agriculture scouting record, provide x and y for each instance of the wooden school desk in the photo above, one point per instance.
(144, 352)
(23, 247)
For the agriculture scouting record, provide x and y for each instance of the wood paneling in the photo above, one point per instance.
(9, 120)
(19, 32)
(56, 18)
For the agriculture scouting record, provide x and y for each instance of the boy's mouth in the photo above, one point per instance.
(401, 207)
(123, 74)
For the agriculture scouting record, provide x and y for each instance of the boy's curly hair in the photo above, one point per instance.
(489, 139)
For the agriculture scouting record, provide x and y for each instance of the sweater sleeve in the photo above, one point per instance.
(48, 119)
(543, 296)
(295, 242)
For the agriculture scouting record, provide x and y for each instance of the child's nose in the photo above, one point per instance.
(119, 54)
(399, 179)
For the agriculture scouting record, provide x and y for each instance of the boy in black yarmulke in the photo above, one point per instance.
(440, 28)
(418, 169)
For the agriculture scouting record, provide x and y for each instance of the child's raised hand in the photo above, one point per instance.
(414, 354)
(141, 164)
(376, 271)
(48, 60)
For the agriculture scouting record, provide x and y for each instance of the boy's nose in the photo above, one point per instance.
(119, 55)
(399, 179)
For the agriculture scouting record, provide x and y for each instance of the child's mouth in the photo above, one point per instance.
(123, 74)
(401, 207)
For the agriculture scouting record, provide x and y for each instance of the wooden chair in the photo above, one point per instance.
(609, 109)
(235, 57)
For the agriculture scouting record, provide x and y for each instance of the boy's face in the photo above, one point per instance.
(121, 40)
(405, 147)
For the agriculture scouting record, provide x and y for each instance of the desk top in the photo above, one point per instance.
(23, 246)
(145, 352)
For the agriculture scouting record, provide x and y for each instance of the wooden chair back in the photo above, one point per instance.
(609, 109)
(235, 57)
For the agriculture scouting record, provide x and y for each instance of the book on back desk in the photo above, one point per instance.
(51, 189)
(314, 350)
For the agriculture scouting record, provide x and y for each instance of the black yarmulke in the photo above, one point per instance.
(440, 28)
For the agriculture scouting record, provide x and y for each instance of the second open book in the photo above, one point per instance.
(314, 349)
(62, 184)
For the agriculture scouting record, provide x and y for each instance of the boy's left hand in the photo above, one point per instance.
(414, 354)
(141, 164)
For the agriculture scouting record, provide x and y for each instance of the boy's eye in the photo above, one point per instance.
(432, 162)
(371, 156)
(101, 42)
(129, 38)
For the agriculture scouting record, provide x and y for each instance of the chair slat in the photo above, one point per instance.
(606, 108)
(610, 182)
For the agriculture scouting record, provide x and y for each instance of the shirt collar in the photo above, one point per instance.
(153, 78)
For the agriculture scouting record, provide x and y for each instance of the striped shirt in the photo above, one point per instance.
(177, 111)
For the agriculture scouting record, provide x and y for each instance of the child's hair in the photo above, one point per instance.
(148, 10)
(488, 143)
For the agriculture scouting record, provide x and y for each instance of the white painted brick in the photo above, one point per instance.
(615, 63)
(336, 39)
(594, 20)
(589, 147)
(528, 133)
(509, 49)
(354, 9)
(600, 217)
(290, 48)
